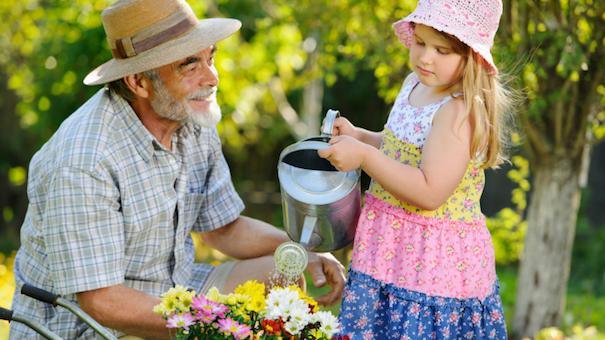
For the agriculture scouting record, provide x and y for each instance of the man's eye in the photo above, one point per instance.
(190, 68)
(211, 61)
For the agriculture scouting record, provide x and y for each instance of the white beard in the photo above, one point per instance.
(205, 118)
(165, 105)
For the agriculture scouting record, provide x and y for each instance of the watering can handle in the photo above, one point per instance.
(328, 122)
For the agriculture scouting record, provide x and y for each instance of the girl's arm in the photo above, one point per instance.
(370, 137)
(342, 126)
(444, 160)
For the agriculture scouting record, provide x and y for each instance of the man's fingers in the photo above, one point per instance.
(334, 272)
(330, 297)
(317, 275)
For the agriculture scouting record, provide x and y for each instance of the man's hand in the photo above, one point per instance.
(325, 268)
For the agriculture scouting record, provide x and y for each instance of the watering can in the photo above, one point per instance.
(321, 205)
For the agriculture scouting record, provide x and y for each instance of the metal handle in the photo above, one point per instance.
(51, 298)
(328, 122)
(307, 230)
(39, 294)
(8, 315)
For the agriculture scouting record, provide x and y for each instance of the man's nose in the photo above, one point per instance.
(209, 76)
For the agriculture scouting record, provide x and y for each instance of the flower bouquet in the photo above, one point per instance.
(248, 313)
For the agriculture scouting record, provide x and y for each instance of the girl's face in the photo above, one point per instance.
(433, 58)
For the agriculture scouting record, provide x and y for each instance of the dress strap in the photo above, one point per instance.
(448, 98)
(411, 84)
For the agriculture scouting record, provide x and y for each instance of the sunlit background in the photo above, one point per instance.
(294, 59)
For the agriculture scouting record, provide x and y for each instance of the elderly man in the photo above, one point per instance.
(115, 193)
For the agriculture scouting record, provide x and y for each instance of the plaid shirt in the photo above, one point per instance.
(110, 205)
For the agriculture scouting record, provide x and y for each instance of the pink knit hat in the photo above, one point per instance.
(474, 22)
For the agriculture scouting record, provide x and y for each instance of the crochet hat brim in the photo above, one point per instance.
(404, 29)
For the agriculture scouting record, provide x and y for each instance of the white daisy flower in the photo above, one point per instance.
(294, 327)
(329, 323)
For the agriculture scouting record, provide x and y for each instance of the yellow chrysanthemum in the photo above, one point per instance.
(256, 293)
(251, 288)
(176, 299)
(214, 295)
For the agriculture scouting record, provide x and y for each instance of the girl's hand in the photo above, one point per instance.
(345, 153)
(342, 127)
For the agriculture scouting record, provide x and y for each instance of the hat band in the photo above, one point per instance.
(126, 48)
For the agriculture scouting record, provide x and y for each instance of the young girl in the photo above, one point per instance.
(423, 260)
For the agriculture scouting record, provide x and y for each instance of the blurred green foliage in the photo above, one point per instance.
(508, 226)
(7, 286)
(48, 46)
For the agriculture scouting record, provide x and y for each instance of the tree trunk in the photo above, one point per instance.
(313, 93)
(544, 269)
(312, 98)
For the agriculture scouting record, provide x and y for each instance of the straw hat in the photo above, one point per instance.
(474, 22)
(146, 34)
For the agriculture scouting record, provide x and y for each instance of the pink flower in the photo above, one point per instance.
(180, 321)
(476, 318)
(417, 127)
(350, 297)
(415, 309)
(205, 318)
(362, 322)
(234, 328)
(496, 316)
(208, 308)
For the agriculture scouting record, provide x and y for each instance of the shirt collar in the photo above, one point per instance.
(143, 139)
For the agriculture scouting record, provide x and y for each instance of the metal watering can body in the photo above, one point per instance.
(321, 205)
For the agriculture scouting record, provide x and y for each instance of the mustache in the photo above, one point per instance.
(202, 94)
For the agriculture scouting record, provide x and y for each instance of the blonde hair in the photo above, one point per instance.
(488, 102)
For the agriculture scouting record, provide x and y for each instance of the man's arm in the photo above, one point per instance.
(245, 238)
(125, 309)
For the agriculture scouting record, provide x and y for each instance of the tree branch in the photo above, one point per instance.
(591, 101)
(538, 143)
(297, 128)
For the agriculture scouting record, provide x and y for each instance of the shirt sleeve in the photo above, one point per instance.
(84, 232)
(220, 202)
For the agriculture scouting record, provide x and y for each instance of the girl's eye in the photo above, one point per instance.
(211, 61)
(443, 51)
(421, 43)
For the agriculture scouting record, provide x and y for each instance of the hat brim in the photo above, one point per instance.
(206, 33)
(404, 29)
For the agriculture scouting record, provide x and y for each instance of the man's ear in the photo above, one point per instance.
(139, 85)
